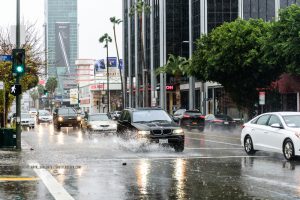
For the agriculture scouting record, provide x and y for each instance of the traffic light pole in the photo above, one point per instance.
(18, 97)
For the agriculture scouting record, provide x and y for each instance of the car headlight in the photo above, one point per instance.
(144, 132)
(60, 119)
(94, 126)
(178, 131)
(114, 125)
(78, 118)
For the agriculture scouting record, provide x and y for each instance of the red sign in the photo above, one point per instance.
(85, 101)
(169, 87)
(97, 86)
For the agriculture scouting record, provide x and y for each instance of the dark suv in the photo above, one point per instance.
(66, 117)
(152, 124)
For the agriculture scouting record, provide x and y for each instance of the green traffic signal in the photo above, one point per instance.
(18, 66)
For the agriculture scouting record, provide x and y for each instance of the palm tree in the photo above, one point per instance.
(176, 66)
(51, 85)
(115, 21)
(106, 39)
(34, 94)
(141, 7)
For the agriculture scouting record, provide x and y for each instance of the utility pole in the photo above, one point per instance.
(107, 77)
(18, 97)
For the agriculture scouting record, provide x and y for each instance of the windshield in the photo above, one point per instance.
(25, 115)
(292, 121)
(150, 115)
(44, 113)
(66, 111)
(179, 112)
(101, 117)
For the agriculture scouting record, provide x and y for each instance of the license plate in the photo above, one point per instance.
(163, 141)
(226, 122)
(194, 123)
(70, 124)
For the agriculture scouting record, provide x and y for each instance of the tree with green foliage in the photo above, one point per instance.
(51, 85)
(232, 55)
(176, 66)
(283, 44)
(34, 61)
(40, 89)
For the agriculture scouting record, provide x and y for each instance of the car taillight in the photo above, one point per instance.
(186, 116)
(243, 126)
(202, 116)
(218, 121)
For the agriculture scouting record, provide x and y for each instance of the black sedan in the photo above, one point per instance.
(192, 119)
(219, 122)
(151, 124)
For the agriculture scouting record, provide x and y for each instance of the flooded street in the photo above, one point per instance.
(71, 165)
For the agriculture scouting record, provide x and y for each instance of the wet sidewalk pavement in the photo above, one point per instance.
(18, 181)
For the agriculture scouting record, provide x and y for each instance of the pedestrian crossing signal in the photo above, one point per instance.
(18, 64)
(16, 89)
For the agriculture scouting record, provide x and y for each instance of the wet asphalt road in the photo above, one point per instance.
(72, 165)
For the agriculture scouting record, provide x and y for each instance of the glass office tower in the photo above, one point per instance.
(62, 43)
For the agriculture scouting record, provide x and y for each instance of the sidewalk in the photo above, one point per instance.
(17, 179)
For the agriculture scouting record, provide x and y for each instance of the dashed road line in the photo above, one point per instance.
(213, 141)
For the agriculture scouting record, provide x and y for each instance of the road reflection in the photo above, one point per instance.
(180, 176)
(142, 175)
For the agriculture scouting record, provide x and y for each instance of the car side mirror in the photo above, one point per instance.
(276, 125)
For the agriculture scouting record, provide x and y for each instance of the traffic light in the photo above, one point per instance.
(46, 92)
(18, 64)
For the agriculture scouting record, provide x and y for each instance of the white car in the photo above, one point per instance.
(44, 116)
(273, 132)
(33, 112)
(27, 120)
(100, 123)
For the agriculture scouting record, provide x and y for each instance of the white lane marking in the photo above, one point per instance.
(212, 148)
(55, 188)
(213, 141)
(272, 182)
(181, 157)
(212, 135)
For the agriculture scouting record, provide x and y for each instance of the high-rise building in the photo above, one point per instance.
(172, 27)
(62, 43)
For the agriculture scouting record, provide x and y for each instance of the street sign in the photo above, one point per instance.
(5, 58)
(262, 97)
(16, 89)
(1, 85)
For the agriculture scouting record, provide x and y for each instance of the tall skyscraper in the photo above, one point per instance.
(62, 43)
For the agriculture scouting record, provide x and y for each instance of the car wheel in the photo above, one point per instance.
(288, 150)
(248, 146)
(179, 147)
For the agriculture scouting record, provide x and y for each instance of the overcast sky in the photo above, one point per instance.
(93, 20)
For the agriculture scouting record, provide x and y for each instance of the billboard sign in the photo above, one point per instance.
(112, 61)
(73, 96)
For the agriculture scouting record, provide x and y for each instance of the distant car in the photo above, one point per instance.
(44, 116)
(151, 124)
(275, 132)
(66, 117)
(27, 120)
(33, 112)
(192, 119)
(116, 114)
(178, 115)
(100, 123)
(219, 122)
